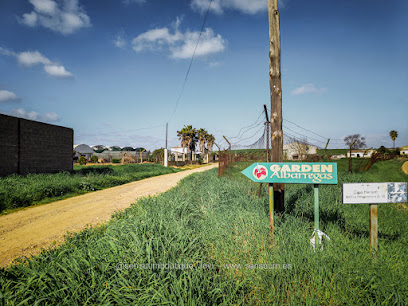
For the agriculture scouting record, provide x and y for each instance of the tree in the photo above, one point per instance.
(354, 142)
(393, 135)
(115, 148)
(157, 155)
(188, 137)
(382, 150)
(182, 135)
(300, 148)
(210, 142)
(128, 149)
(191, 137)
(202, 139)
(94, 159)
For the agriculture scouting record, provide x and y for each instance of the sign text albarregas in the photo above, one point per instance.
(295, 173)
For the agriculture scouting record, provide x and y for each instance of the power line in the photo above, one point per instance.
(191, 61)
(302, 134)
(305, 129)
(239, 135)
(262, 127)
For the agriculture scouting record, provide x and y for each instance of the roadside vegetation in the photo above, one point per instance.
(214, 225)
(25, 190)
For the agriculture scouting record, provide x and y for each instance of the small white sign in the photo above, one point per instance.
(374, 193)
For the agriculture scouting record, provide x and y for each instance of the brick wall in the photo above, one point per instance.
(28, 146)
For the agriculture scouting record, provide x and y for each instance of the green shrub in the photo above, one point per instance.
(82, 160)
(116, 161)
(25, 190)
(94, 159)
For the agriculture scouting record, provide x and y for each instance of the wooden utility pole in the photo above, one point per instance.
(276, 97)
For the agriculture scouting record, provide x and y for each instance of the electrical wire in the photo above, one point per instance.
(302, 134)
(191, 62)
(239, 135)
(262, 127)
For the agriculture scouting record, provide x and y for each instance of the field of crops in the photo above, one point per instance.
(207, 241)
(21, 191)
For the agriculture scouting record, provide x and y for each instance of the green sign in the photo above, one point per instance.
(292, 173)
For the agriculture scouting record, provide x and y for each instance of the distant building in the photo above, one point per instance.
(404, 150)
(99, 148)
(361, 153)
(179, 153)
(83, 150)
(179, 150)
(298, 150)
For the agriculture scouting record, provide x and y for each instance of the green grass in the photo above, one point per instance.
(332, 151)
(220, 223)
(17, 191)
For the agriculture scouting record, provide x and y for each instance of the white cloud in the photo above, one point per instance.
(57, 71)
(218, 6)
(63, 16)
(119, 41)
(34, 58)
(214, 64)
(32, 115)
(244, 6)
(181, 45)
(29, 58)
(308, 89)
(51, 117)
(6, 96)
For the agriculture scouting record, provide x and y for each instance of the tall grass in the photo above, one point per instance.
(223, 224)
(21, 191)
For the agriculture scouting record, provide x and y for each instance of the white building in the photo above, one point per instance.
(83, 150)
(298, 151)
(361, 153)
(404, 150)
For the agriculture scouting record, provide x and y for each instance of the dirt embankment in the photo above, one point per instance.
(26, 232)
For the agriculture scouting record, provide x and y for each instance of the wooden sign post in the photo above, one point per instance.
(373, 194)
(293, 173)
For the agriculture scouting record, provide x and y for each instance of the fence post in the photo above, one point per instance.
(166, 158)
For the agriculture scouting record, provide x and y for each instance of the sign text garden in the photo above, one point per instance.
(293, 173)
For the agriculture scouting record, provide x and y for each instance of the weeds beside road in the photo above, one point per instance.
(208, 242)
(25, 190)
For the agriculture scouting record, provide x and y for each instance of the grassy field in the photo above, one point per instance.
(25, 190)
(217, 231)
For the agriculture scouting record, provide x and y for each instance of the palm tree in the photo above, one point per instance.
(202, 138)
(210, 142)
(188, 137)
(182, 135)
(393, 135)
(191, 138)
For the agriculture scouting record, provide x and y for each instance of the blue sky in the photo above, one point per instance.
(113, 69)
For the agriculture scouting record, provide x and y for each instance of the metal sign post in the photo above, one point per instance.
(271, 206)
(316, 215)
(293, 173)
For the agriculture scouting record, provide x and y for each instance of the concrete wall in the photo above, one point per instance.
(28, 146)
(109, 155)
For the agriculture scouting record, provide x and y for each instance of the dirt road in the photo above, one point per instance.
(405, 167)
(28, 231)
